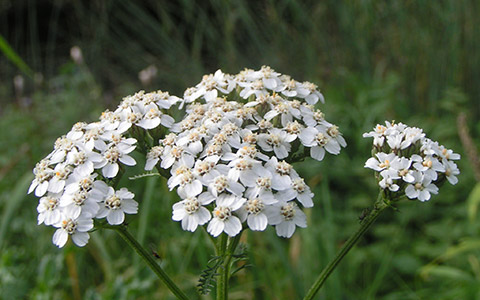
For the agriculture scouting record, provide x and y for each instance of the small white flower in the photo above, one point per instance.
(256, 88)
(292, 88)
(429, 165)
(222, 184)
(253, 212)
(259, 184)
(79, 203)
(378, 135)
(286, 216)
(92, 135)
(447, 154)
(152, 117)
(294, 128)
(282, 173)
(224, 221)
(319, 140)
(61, 173)
(76, 228)
(153, 156)
(112, 154)
(192, 140)
(399, 168)
(421, 188)
(110, 120)
(116, 205)
(380, 162)
(79, 158)
(191, 212)
(242, 168)
(387, 183)
(451, 171)
(185, 179)
(411, 136)
(286, 109)
(49, 210)
(271, 79)
(63, 145)
(77, 131)
(314, 95)
(395, 141)
(208, 168)
(276, 140)
(312, 117)
(299, 190)
(43, 173)
(173, 154)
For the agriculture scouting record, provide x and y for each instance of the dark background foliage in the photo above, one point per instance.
(417, 62)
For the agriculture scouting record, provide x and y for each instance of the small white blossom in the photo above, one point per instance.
(286, 216)
(421, 188)
(297, 190)
(319, 140)
(153, 157)
(191, 211)
(223, 220)
(112, 154)
(43, 173)
(116, 205)
(49, 210)
(276, 140)
(76, 228)
(451, 171)
(380, 162)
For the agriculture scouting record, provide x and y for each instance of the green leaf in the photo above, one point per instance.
(450, 273)
(13, 202)
(14, 57)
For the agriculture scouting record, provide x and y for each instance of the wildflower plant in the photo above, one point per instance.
(227, 147)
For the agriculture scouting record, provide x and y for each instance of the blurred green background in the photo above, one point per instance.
(417, 62)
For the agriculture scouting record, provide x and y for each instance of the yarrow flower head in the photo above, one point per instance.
(408, 163)
(229, 157)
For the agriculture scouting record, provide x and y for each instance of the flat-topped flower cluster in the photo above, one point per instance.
(408, 163)
(229, 157)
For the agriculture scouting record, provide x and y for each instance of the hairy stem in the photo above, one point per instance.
(222, 283)
(378, 207)
(227, 250)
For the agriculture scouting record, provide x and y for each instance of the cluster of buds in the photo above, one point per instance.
(408, 163)
(229, 157)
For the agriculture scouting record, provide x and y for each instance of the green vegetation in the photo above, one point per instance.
(417, 62)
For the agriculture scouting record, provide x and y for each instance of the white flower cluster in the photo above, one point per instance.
(228, 157)
(409, 163)
(71, 195)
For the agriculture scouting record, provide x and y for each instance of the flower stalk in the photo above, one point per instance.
(222, 278)
(226, 251)
(143, 253)
(377, 209)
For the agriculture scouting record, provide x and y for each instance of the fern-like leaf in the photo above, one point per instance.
(207, 277)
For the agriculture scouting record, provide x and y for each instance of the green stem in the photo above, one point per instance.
(226, 250)
(378, 207)
(222, 283)
(132, 242)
